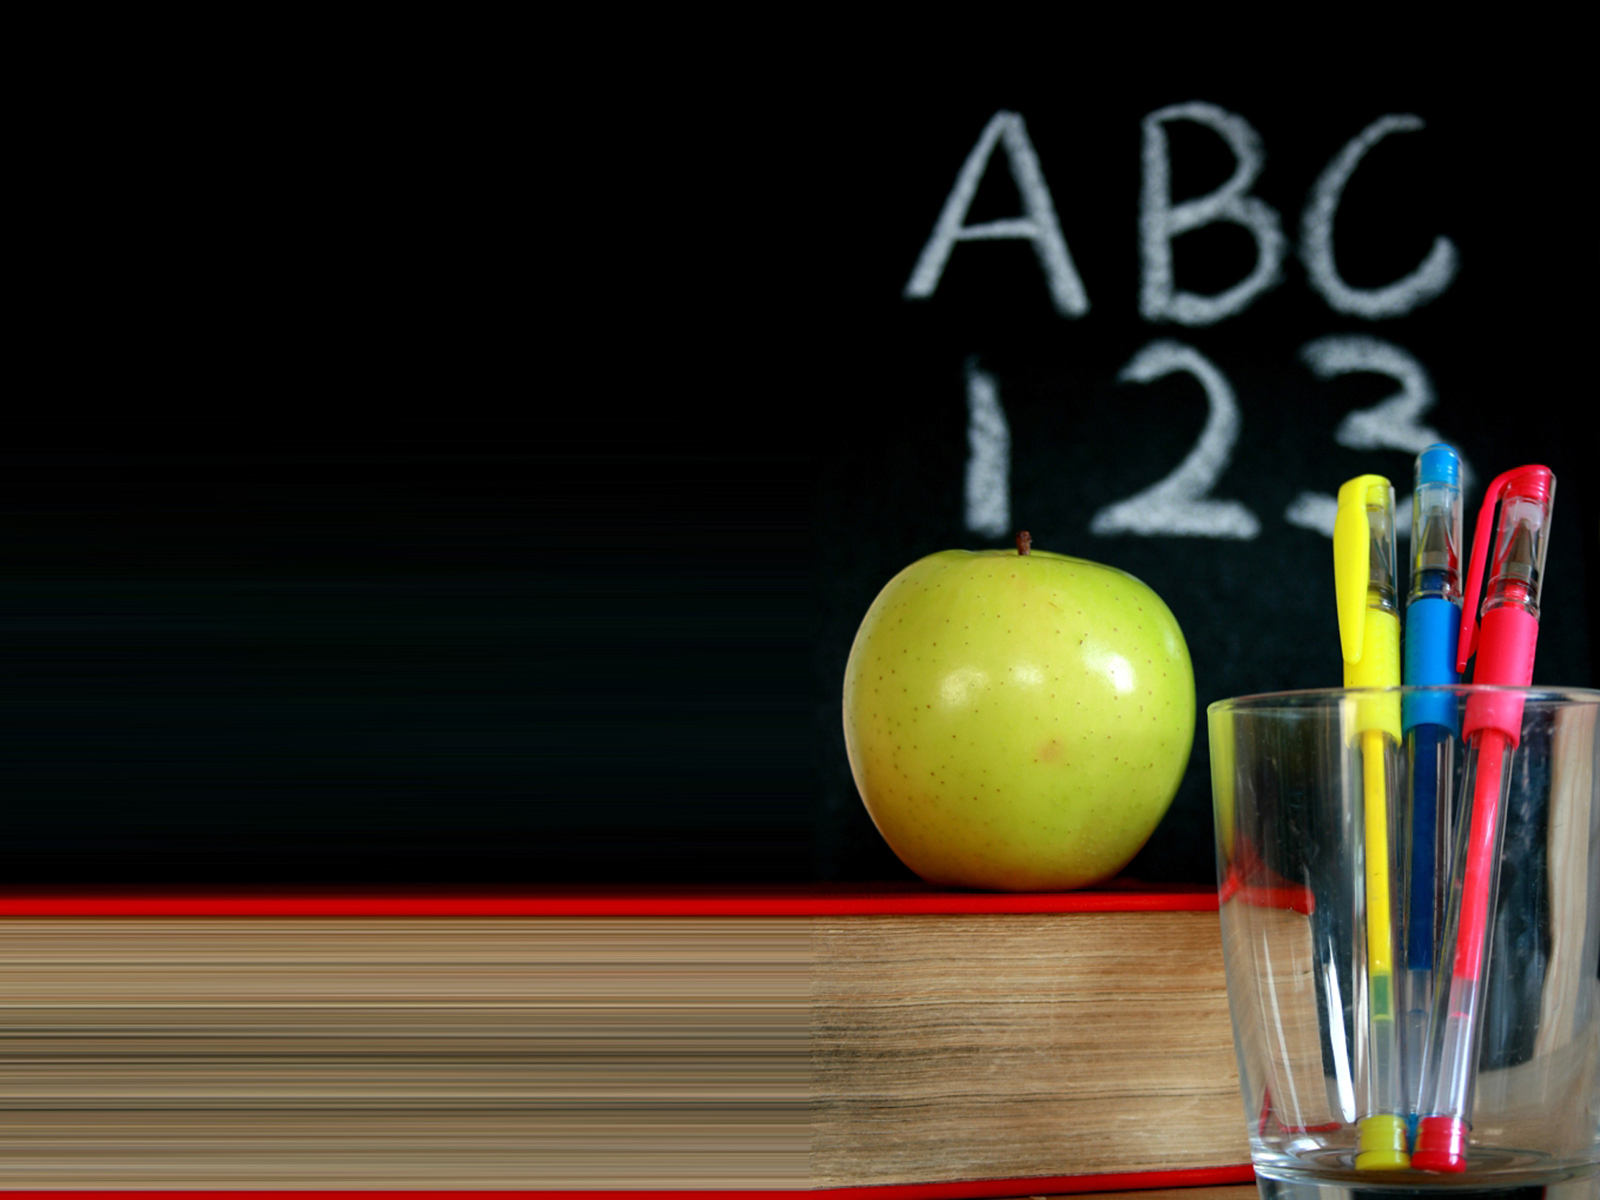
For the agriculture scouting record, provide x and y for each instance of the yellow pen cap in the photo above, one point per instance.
(1364, 588)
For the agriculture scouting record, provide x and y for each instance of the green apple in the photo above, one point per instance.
(1017, 720)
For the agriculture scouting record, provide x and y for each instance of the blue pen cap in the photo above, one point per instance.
(1433, 618)
(1436, 526)
(1439, 464)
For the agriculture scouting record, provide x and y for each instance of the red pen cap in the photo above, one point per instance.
(1516, 575)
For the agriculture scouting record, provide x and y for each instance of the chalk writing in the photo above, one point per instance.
(1160, 221)
(1179, 504)
(1432, 277)
(1391, 424)
(988, 456)
(1039, 226)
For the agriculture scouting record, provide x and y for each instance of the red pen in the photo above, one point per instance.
(1504, 646)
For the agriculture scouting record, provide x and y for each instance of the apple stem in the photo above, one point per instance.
(1024, 542)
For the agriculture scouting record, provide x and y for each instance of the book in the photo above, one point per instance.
(810, 1040)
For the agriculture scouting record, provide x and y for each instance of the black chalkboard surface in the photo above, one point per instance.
(397, 521)
(1158, 325)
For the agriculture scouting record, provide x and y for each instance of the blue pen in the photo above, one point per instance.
(1433, 628)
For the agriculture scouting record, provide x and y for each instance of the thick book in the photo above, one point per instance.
(814, 1041)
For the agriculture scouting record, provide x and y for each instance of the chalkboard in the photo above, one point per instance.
(1158, 321)
(396, 520)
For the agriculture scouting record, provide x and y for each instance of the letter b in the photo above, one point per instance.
(1161, 221)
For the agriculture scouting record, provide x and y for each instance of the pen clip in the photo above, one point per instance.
(1352, 563)
(1535, 480)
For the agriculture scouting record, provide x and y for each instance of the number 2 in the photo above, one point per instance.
(1180, 504)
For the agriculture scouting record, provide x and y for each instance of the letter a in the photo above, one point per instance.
(1039, 226)
(1160, 221)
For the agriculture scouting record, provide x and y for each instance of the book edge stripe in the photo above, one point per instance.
(698, 903)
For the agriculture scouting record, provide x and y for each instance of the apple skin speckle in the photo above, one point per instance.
(997, 807)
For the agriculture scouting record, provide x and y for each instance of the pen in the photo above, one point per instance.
(1369, 636)
(1429, 721)
(1492, 726)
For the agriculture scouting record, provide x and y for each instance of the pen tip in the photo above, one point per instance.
(1521, 553)
(1433, 546)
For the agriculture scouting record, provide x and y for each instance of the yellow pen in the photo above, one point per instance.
(1369, 635)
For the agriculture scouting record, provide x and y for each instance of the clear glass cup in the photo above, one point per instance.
(1364, 1007)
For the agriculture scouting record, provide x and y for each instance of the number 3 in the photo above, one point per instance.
(1391, 424)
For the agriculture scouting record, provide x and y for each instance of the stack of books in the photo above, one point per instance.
(917, 1042)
